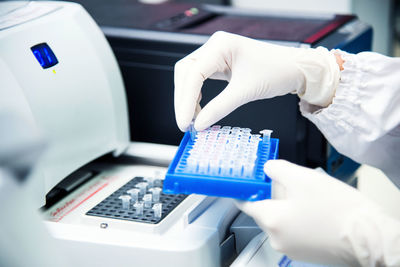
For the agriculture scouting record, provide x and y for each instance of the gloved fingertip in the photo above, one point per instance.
(279, 170)
(200, 123)
(270, 165)
(183, 120)
(251, 208)
(183, 129)
(245, 206)
(182, 125)
(277, 164)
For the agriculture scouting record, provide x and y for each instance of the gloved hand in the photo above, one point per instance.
(255, 70)
(316, 218)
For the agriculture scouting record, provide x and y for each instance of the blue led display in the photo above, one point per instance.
(44, 55)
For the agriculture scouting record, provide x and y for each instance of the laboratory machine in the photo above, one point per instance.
(148, 39)
(100, 194)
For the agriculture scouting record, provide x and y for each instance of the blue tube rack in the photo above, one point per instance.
(179, 180)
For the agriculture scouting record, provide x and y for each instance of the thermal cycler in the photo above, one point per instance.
(62, 74)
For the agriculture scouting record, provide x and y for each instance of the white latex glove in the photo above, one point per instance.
(255, 70)
(316, 218)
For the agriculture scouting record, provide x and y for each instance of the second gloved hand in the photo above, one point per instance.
(255, 70)
(316, 218)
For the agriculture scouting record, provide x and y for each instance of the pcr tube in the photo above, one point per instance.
(214, 167)
(134, 192)
(192, 131)
(266, 135)
(215, 127)
(157, 209)
(237, 169)
(203, 166)
(191, 164)
(248, 169)
(125, 201)
(156, 193)
(235, 129)
(150, 181)
(158, 178)
(246, 130)
(138, 208)
(225, 168)
(142, 187)
(147, 200)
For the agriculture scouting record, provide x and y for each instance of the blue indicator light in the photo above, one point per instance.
(39, 57)
(44, 55)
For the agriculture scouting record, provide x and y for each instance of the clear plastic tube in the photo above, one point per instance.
(147, 199)
(157, 209)
(138, 208)
(150, 182)
(142, 187)
(134, 193)
(192, 130)
(266, 135)
(223, 151)
(156, 191)
(126, 200)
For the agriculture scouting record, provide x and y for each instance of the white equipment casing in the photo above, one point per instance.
(191, 235)
(80, 103)
(80, 106)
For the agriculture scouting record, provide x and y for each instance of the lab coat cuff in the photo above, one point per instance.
(339, 117)
(321, 74)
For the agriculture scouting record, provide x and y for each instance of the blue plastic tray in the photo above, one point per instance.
(256, 187)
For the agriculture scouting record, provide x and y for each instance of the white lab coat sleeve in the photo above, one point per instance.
(363, 120)
(363, 123)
